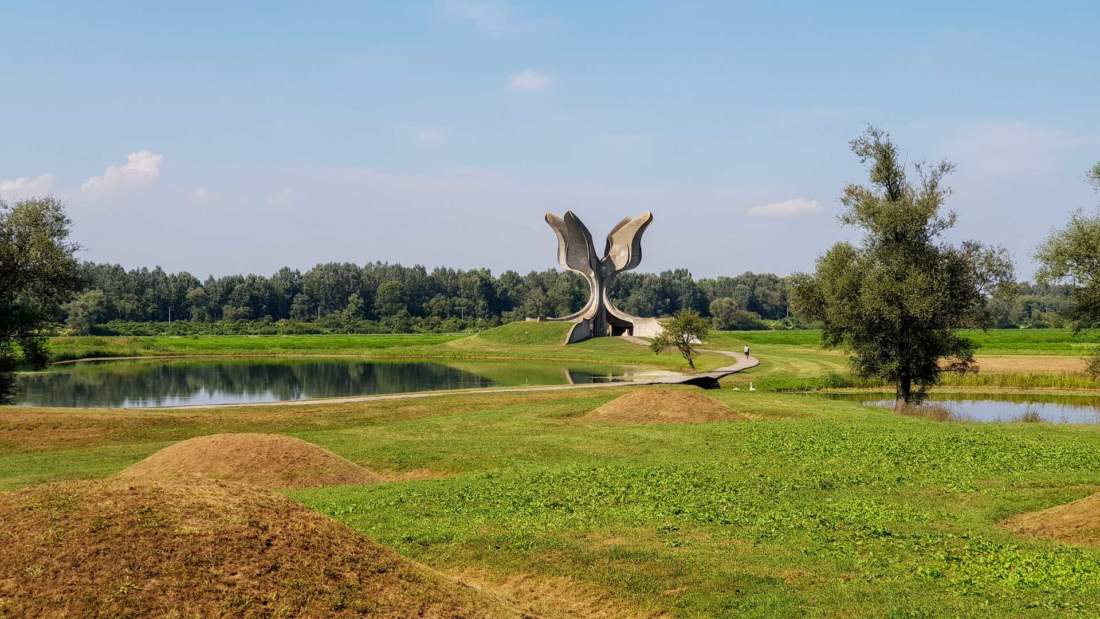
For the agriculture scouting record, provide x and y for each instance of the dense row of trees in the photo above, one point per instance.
(392, 297)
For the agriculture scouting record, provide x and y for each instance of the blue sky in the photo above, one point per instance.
(220, 140)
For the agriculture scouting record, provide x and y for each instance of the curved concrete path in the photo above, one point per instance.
(706, 380)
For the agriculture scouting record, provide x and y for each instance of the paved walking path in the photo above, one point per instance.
(706, 380)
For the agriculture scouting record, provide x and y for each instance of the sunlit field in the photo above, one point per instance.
(803, 505)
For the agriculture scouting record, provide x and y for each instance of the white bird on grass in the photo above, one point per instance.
(751, 388)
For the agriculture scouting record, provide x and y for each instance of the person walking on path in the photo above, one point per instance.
(746, 351)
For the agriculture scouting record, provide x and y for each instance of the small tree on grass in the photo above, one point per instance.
(1072, 254)
(85, 311)
(682, 332)
(727, 315)
(896, 299)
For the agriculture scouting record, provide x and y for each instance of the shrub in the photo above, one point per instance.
(1093, 368)
(726, 316)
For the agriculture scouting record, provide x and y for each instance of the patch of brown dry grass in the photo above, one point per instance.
(929, 411)
(662, 405)
(555, 596)
(204, 549)
(1033, 364)
(1075, 523)
(265, 460)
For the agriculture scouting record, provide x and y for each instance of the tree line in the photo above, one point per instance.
(380, 297)
(396, 298)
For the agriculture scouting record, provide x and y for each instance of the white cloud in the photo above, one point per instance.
(141, 168)
(199, 195)
(528, 80)
(787, 208)
(431, 137)
(484, 16)
(26, 186)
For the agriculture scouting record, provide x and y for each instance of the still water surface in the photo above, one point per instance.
(154, 383)
(1014, 407)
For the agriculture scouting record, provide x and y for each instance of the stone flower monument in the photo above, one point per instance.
(622, 252)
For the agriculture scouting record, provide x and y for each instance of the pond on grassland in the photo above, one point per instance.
(180, 382)
(1048, 408)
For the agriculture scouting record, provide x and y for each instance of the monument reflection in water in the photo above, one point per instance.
(153, 383)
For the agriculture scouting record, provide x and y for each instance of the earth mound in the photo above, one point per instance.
(662, 406)
(203, 549)
(527, 333)
(1075, 523)
(264, 460)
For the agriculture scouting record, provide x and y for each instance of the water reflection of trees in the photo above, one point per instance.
(175, 382)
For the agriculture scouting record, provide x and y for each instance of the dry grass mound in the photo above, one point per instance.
(204, 549)
(264, 460)
(1075, 523)
(662, 405)
(553, 597)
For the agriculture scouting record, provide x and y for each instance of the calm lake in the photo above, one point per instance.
(1014, 407)
(161, 382)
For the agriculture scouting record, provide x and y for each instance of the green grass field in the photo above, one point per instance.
(819, 508)
(84, 347)
(520, 341)
(991, 342)
(816, 508)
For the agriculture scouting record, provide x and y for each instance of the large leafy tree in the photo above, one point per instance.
(896, 299)
(37, 273)
(1071, 255)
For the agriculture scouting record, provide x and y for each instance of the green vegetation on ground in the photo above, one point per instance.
(86, 347)
(520, 341)
(818, 508)
(987, 342)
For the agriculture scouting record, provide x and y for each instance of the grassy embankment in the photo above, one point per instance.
(520, 341)
(820, 507)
